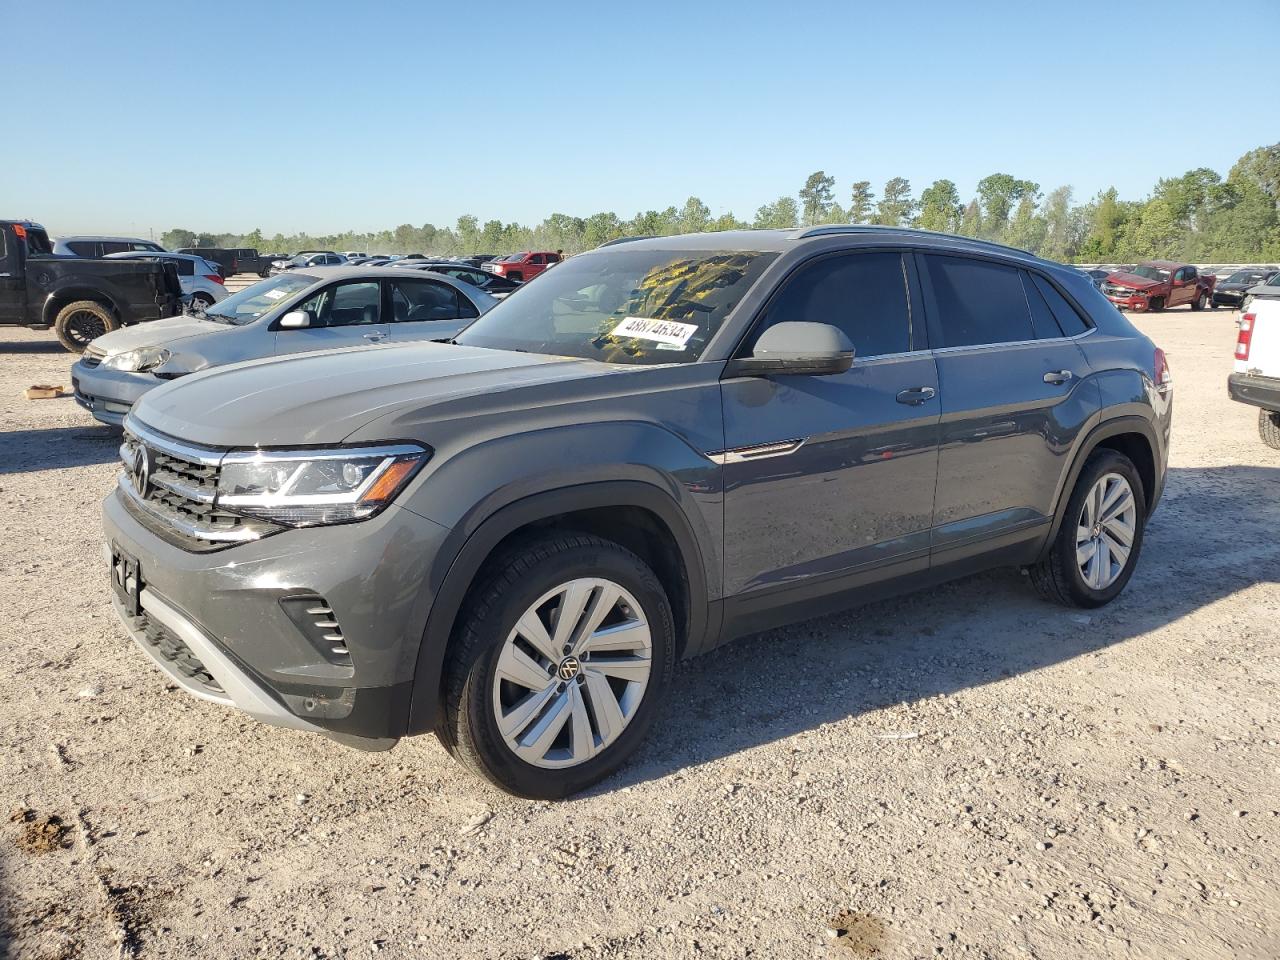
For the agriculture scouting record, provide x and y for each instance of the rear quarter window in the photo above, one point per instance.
(1069, 322)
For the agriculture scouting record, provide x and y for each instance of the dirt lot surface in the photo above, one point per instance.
(966, 773)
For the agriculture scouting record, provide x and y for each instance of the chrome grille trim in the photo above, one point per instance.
(158, 441)
(196, 531)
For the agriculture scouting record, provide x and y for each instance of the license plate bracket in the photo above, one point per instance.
(126, 580)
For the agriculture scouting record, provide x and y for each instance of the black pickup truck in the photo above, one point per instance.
(80, 298)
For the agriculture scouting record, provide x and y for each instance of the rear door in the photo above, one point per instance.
(428, 310)
(1013, 397)
(830, 478)
(342, 315)
(13, 297)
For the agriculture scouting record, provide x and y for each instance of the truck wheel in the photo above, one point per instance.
(562, 655)
(1097, 546)
(81, 322)
(517, 277)
(1269, 428)
(1157, 304)
(1198, 303)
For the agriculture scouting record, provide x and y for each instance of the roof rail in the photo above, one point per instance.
(610, 243)
(835, 229)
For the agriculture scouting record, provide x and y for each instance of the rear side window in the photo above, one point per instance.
(977, 302)
(418, 300)
(186, 268)
(863, 294)
(115, 246)
(1065, 316)
(82, 248)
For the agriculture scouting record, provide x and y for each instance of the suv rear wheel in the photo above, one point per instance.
(1269, 428)
(561, 658)
(1098, 544)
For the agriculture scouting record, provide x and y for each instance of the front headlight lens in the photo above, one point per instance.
(137, 361)
(303, 488)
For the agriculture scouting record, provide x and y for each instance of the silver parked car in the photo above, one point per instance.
(202, 284)
(320, 308)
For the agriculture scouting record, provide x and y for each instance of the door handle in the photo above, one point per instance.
(916, 396)
(1057, 376)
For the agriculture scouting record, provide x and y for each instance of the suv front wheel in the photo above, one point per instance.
(1097, 546)
(561, 658)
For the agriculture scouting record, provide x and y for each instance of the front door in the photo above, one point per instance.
(342, 315)
(830, 478)
(1013, 396)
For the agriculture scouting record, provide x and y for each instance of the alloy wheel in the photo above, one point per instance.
(572, 673)
(1105, 531)
(84, 326)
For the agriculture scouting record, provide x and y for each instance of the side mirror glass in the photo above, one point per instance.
(295, 320)
(797, 348)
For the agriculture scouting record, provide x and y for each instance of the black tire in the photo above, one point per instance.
(1157, 304)
(1058, 577)
(517, 277)
(203, 299)
(469, 728)
(1198, 302)
(1269, 428)
(80, 323)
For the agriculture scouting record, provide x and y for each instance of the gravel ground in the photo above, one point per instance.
(964, 773)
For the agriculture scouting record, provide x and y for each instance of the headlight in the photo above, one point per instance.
(136, 361)
(302, 488)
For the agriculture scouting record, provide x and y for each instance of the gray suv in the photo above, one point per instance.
(510, 540)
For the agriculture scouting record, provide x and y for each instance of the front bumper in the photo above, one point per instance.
(1261, 392)
(226, 608)
(1134, 301)
(1228, 298)
(109, 394)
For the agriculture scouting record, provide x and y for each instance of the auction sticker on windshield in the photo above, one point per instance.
(660, 331)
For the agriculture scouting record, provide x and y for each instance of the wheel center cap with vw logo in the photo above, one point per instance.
(568, 668)
(138, 468)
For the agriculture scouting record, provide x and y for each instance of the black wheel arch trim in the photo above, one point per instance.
(1103, 431)
(465, 559)
(59, 298)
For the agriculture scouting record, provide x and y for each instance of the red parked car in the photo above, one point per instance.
(1159, 284)
(522, 266)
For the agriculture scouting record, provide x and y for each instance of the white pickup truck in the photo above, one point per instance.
(1256, 380)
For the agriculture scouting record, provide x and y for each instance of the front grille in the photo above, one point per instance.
(173, 488)
(1113, 290)
(168, 646)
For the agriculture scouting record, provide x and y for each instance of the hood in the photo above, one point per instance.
(1132, 281)
(158, 333)
(324, 397)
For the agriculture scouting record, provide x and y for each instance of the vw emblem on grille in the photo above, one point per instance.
(139, 468)
(568, 668)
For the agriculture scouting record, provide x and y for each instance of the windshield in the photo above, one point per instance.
(1150, 272)
(514, 258)
(253, 301)
(623, 306)
(1244, 276)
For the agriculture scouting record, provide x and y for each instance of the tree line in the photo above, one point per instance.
(1198, 217)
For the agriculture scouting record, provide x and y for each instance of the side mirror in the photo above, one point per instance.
(295, 320)
(796, 349)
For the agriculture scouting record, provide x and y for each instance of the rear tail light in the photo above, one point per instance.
(1164, 376)
(214, 277)
(1245, 337)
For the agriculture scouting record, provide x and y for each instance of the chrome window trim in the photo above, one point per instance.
(1014, 343)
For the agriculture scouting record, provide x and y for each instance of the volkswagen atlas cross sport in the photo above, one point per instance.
(512, 538)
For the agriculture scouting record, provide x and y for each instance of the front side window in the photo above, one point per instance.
(864, 294)
(253, 301)
(624, 306)
(345, 305)
(978, 302)
(425, 300)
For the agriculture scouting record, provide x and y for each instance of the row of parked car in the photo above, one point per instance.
(1157, 285)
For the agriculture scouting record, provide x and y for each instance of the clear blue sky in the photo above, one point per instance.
(320, 117)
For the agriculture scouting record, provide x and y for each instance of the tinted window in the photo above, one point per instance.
(115, 246)
(428, 300)
(978, 302)
(81, 248)
(142, 246)
(865, 295)
(186, 268)
(1069, 321)
(345, 305)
